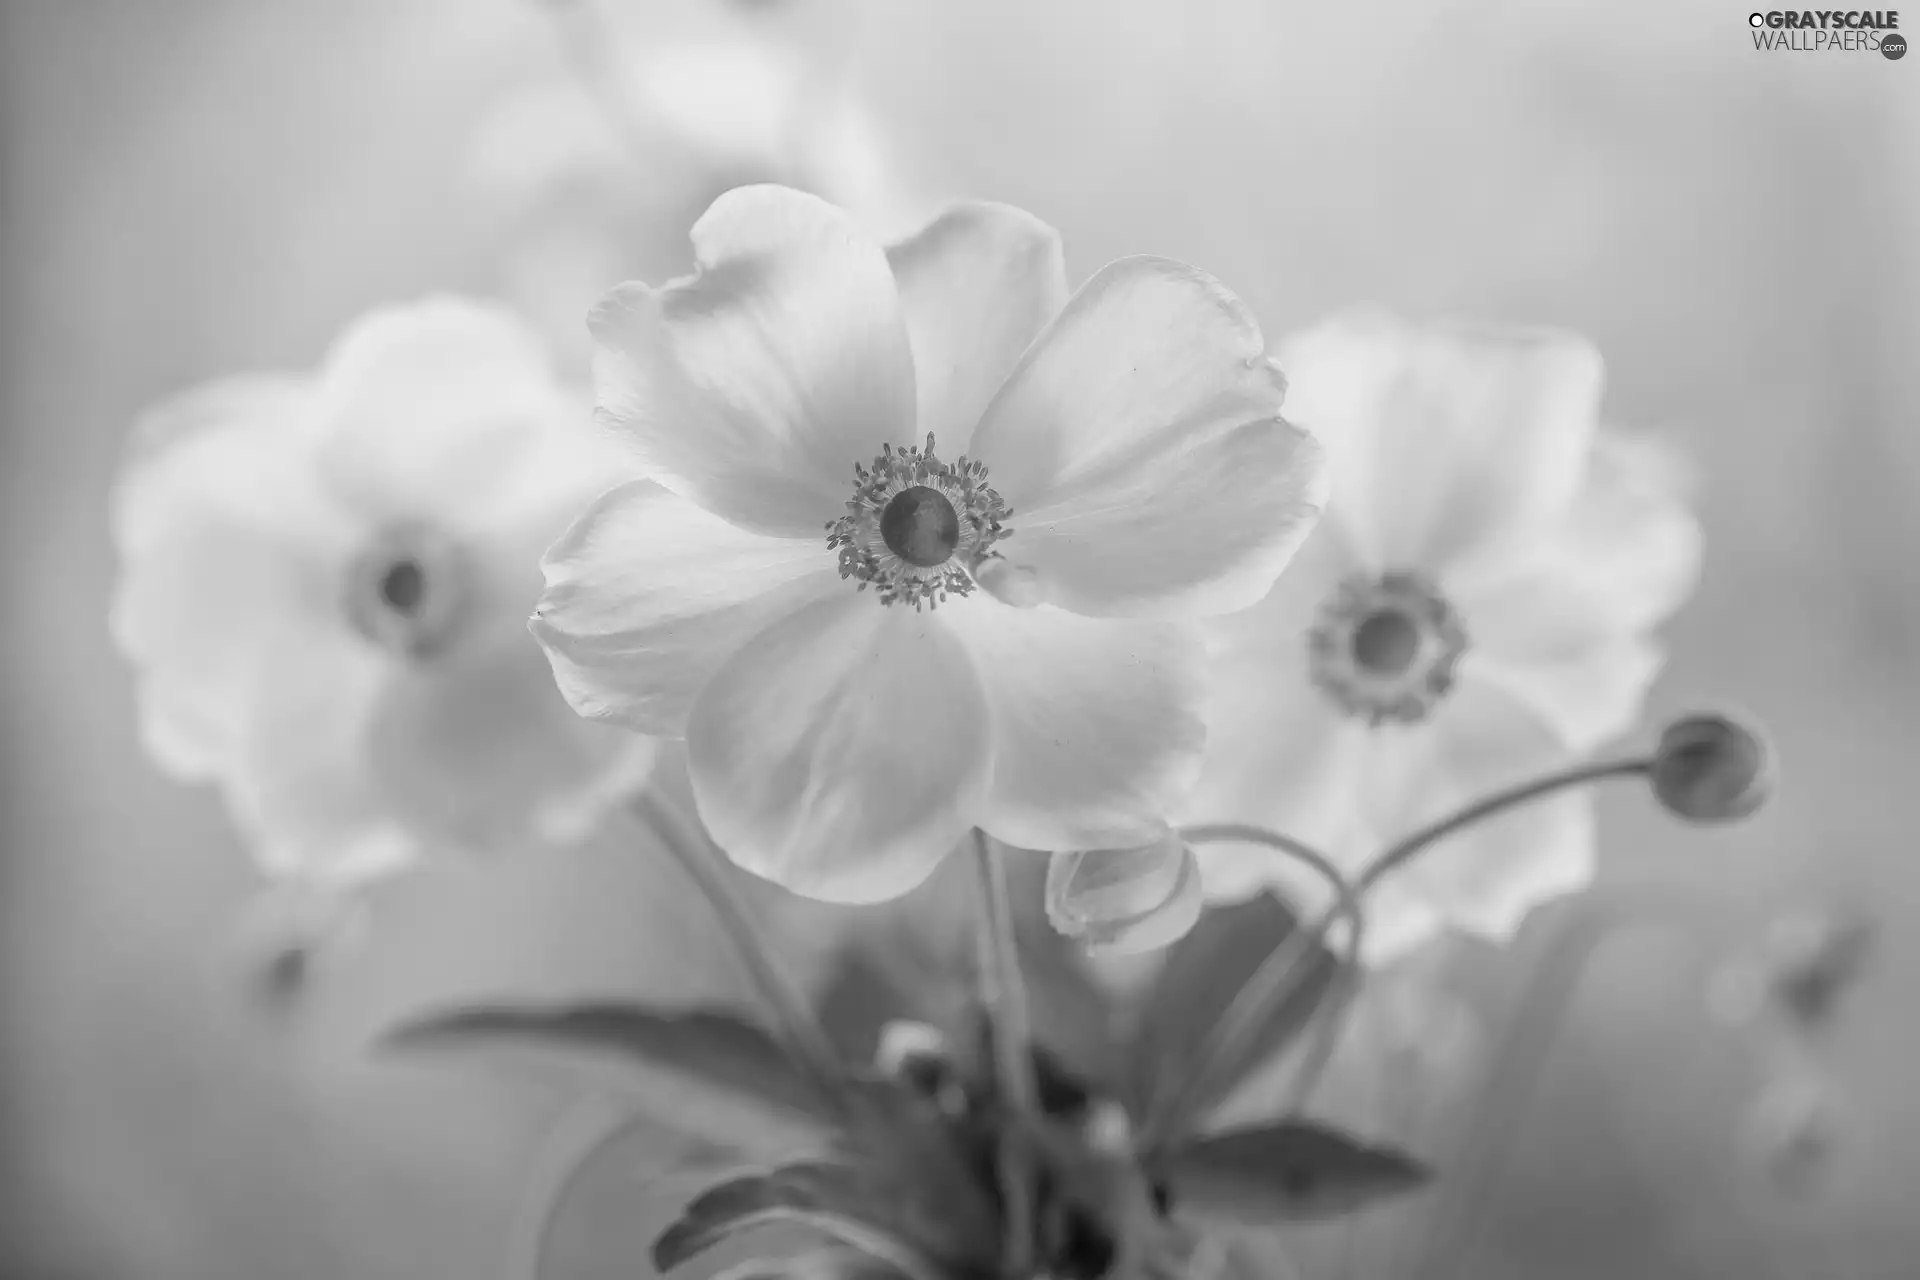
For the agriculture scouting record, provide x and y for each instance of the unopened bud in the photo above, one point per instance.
(906, 1045)
(1136, 899)
(1709, 768)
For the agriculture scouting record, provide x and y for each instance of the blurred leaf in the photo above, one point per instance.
(1288, 1172)
(832, 1198)
(819, 1264)
(860, 996)
(705, 1071)
(1203, 973)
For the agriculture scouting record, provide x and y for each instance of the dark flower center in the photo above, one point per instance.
(403, 586)
(920, 526)
(1386, 642)
(409, 592)
(1385, 647)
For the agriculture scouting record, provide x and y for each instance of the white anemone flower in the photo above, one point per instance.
(1474, 609)
(324, 587)
(848, 441)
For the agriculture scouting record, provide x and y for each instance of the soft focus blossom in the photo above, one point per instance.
(849, 441)
(583, 184)
(1475, 609)
(324, 589)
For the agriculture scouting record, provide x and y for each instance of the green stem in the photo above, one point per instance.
(1579, 775)
(705, 864)
(1277, 978)
(1003, 994)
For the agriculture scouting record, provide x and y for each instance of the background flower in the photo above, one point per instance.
(840, 741)
(1474, 610)
(324, 587)
(587, 181)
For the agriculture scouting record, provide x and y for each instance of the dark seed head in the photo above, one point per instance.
(920, 526)
(1386, 643)
(403, 585)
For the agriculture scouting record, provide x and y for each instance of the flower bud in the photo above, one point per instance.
(1709, 768)
(905, 1044)
(917, 1055)
(1137, 899)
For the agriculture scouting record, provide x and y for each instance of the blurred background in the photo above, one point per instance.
(204, 186)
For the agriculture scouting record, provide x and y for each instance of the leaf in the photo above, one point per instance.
(817, 1264)
(1293, 1171)
(834, 1199)
(708, 1072)
(1203, 973)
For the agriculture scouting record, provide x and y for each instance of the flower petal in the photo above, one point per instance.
(979, 283)
(446, 411)
(843, 751)
(306, 791)
(1489, 876)
(1280, 752)
(647, 596)
(754, 386)
(1140, 445)
(224, 544)
(479, 750)
(1096, 725)
(1559, 625)
(1448, 440)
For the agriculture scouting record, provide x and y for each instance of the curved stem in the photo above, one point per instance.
(794, 1023)
(1003, 993)
(1277, 978)
(1580, 775)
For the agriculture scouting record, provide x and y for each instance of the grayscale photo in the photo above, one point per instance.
(958, 640)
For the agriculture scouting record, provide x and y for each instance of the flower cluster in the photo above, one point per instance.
(912, 548)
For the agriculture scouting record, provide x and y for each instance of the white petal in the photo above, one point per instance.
(225, 544)
(447, 412)
(978, 284)
(1588, 698)
(1488, 877)
(754, 386)
(1140, 445)
(648, 595)
(306, 790)
(1300, 778)
(1449, 440)
(1280, 753)
(843, 751)
(480, 751)
(1096, 724)
(1559, 625)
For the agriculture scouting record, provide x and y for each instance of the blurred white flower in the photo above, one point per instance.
(1474, 609)
(324, 587)
(580, 184)
(840, 741)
